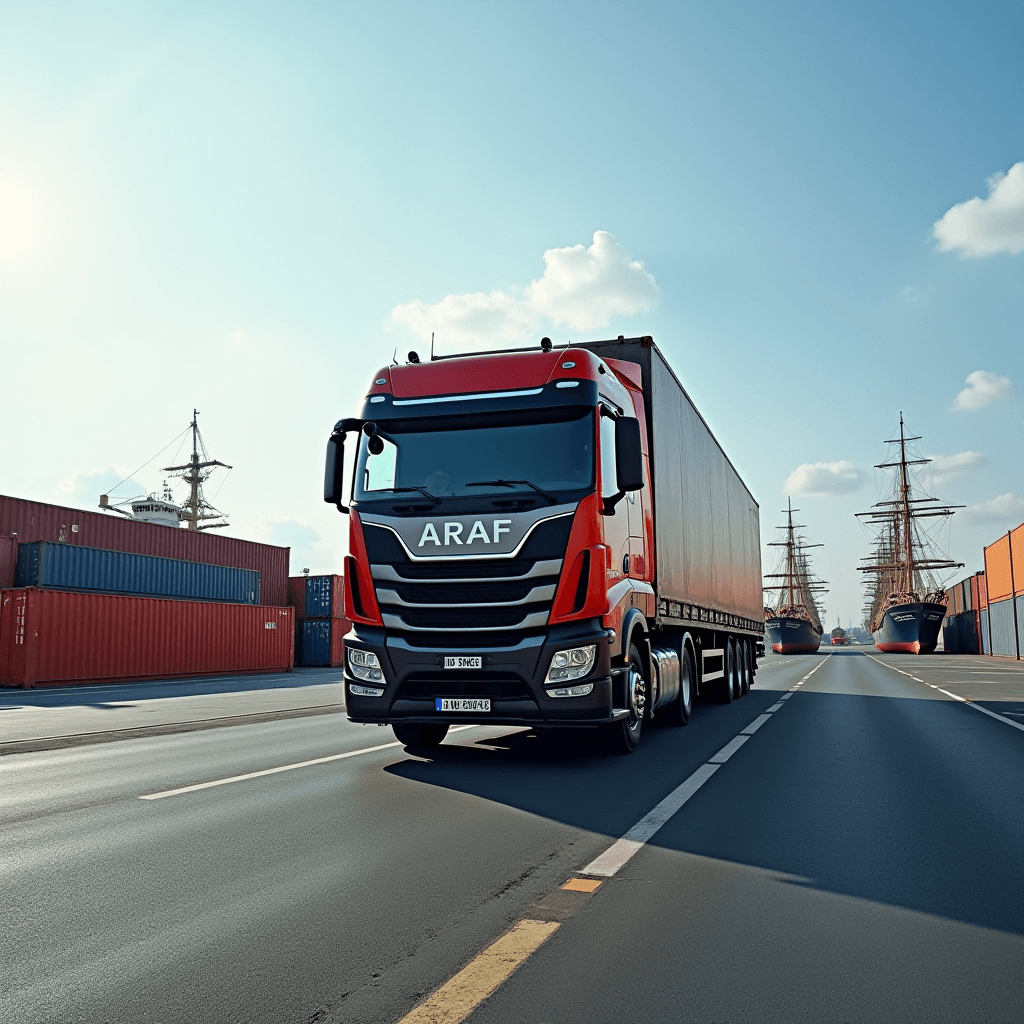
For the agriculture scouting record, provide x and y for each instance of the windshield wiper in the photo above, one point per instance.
(511, 483)
(433, 497)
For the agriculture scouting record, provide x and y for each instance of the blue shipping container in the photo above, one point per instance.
(318, 642)
(1000, 617)
(967, 632)
(54, 566)
(986, 640)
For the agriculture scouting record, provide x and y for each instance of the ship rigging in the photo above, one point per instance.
(196, 512)
(907, 599)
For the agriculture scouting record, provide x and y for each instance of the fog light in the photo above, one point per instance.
(364, 665)
(572, 691)
(365, 691)
(573, 663)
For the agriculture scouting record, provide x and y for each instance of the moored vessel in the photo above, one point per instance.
(907, 598)
(792, 625)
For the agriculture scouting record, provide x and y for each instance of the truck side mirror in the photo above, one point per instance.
(334, 464)
(334, 471)
(629, 458)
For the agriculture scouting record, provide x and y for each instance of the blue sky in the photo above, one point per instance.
(222, 205)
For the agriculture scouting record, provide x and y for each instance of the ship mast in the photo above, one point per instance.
(196, 509)
(798, 582)
(905, 493)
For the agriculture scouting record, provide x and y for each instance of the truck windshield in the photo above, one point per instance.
(552, 456)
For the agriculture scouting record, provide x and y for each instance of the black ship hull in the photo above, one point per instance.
(910, 628)
(791, 635)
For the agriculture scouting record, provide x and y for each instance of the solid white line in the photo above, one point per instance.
(728, 750)
(955, 696)
(775, 707)
(283, 768)
(622, 850)
(755, 725)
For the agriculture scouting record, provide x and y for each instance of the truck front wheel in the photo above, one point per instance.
(420, 735)
(624, 737)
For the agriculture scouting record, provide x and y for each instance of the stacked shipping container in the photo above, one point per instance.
(320, 626)
(961, 628)
(28, 521)
(87, 613)
(1004, 575)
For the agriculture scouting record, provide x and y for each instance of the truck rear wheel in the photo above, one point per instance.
(745, 679)
(728, 688)
(678, 712)
(415, 735)
(624, 737)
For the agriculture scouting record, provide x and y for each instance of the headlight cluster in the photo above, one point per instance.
(565, 666)
(364, 665)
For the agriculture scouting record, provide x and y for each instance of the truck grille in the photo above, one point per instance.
(464, 603)
(425, 685)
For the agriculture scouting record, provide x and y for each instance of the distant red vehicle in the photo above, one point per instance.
(839, 641)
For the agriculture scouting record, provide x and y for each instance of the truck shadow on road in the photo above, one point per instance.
(916, 804)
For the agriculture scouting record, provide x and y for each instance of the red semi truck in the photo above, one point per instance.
(545, 537)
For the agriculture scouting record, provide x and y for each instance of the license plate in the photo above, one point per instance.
(461, 661)
(461, 704)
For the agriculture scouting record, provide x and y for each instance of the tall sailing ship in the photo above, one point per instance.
(907, 599)
(792, 624)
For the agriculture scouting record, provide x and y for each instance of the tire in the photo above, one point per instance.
(624, 737)
(727, 684)
(678, 712)
(423, 736)
(747, 677)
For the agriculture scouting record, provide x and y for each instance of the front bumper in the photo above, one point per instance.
(511, 677)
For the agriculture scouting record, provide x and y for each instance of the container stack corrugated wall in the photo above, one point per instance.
(115, 599)
(27, 521)
(1004, 576)
(59, 638)
(320, 625)
(8, 561)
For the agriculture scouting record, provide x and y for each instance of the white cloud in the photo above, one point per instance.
(1006, 510)
(981, 227)
(841, 477)
(94, 482)
(948, 467)
(309, 549)
(581, 289)
(983, 388)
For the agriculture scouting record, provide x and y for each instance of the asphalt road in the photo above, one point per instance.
(859, 858)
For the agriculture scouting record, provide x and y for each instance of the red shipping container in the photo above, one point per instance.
(982, 590)
(8, 561)
(27, 521)
(58, 638)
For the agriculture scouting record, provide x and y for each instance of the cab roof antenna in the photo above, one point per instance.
(431, 346)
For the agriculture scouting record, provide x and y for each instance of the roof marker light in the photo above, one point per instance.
(568, 366)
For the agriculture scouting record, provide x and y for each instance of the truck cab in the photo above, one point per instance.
(501, 544)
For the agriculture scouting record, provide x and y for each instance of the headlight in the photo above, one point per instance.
(364, 665)
(574, 663)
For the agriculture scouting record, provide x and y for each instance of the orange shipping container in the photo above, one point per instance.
(58, 638)
(997, 569)
(1017, 558)
(982, 590)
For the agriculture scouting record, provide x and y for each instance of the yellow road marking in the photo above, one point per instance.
(456, 999)
(581, 884)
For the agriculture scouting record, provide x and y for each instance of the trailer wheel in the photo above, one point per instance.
(745, 668)
(413, 735)
(678, 712)
(727, 685)
(624, 737)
